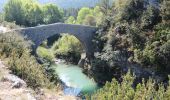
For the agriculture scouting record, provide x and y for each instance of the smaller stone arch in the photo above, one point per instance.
(40, 33)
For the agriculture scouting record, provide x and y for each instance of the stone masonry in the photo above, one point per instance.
(40, 33)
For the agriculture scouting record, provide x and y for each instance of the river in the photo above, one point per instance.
(76, 82)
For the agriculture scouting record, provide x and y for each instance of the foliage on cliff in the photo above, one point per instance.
(16, 52)
(124, 91)
(132, 33)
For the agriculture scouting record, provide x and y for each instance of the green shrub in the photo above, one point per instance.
(67, 45)
(45, 53)
(124, 90)
(150, 17)
(156, 51)
(161, 30)
(16, 51)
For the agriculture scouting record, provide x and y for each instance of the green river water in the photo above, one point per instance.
(74, 79)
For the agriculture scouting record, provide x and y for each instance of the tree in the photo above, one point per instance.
(71, 20)
(98, 15)
(165, 10)
(71, 12)
(82, 14)
(68, 47)
(34, 14)
(14, 10)
(52, 14)
(128, 10)
(31, 13)
(89, 20)
(105, 6)
(150, 17)
(87, 16)
(67, 44)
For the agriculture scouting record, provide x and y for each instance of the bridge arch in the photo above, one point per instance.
(40, 33)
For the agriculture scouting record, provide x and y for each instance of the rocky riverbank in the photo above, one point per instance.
(14, 88)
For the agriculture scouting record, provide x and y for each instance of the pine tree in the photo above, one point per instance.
(165, 11)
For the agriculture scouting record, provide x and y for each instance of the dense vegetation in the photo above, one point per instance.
(124, 90)
(64, 4)
(133, 35)
(87, 16)
(31, 13)
(15, 51)
(68, 46)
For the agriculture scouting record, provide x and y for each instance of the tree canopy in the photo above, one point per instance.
(31, 13)
(87, 16)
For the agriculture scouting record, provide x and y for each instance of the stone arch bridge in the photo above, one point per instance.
(40, 33)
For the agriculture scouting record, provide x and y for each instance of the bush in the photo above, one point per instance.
(16, 51)
(68, 46)
(124, 90)
(150, 17)
(161, 30)
(45, 53)
(156, 51)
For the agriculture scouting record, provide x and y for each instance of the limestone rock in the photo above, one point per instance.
(16, 81)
